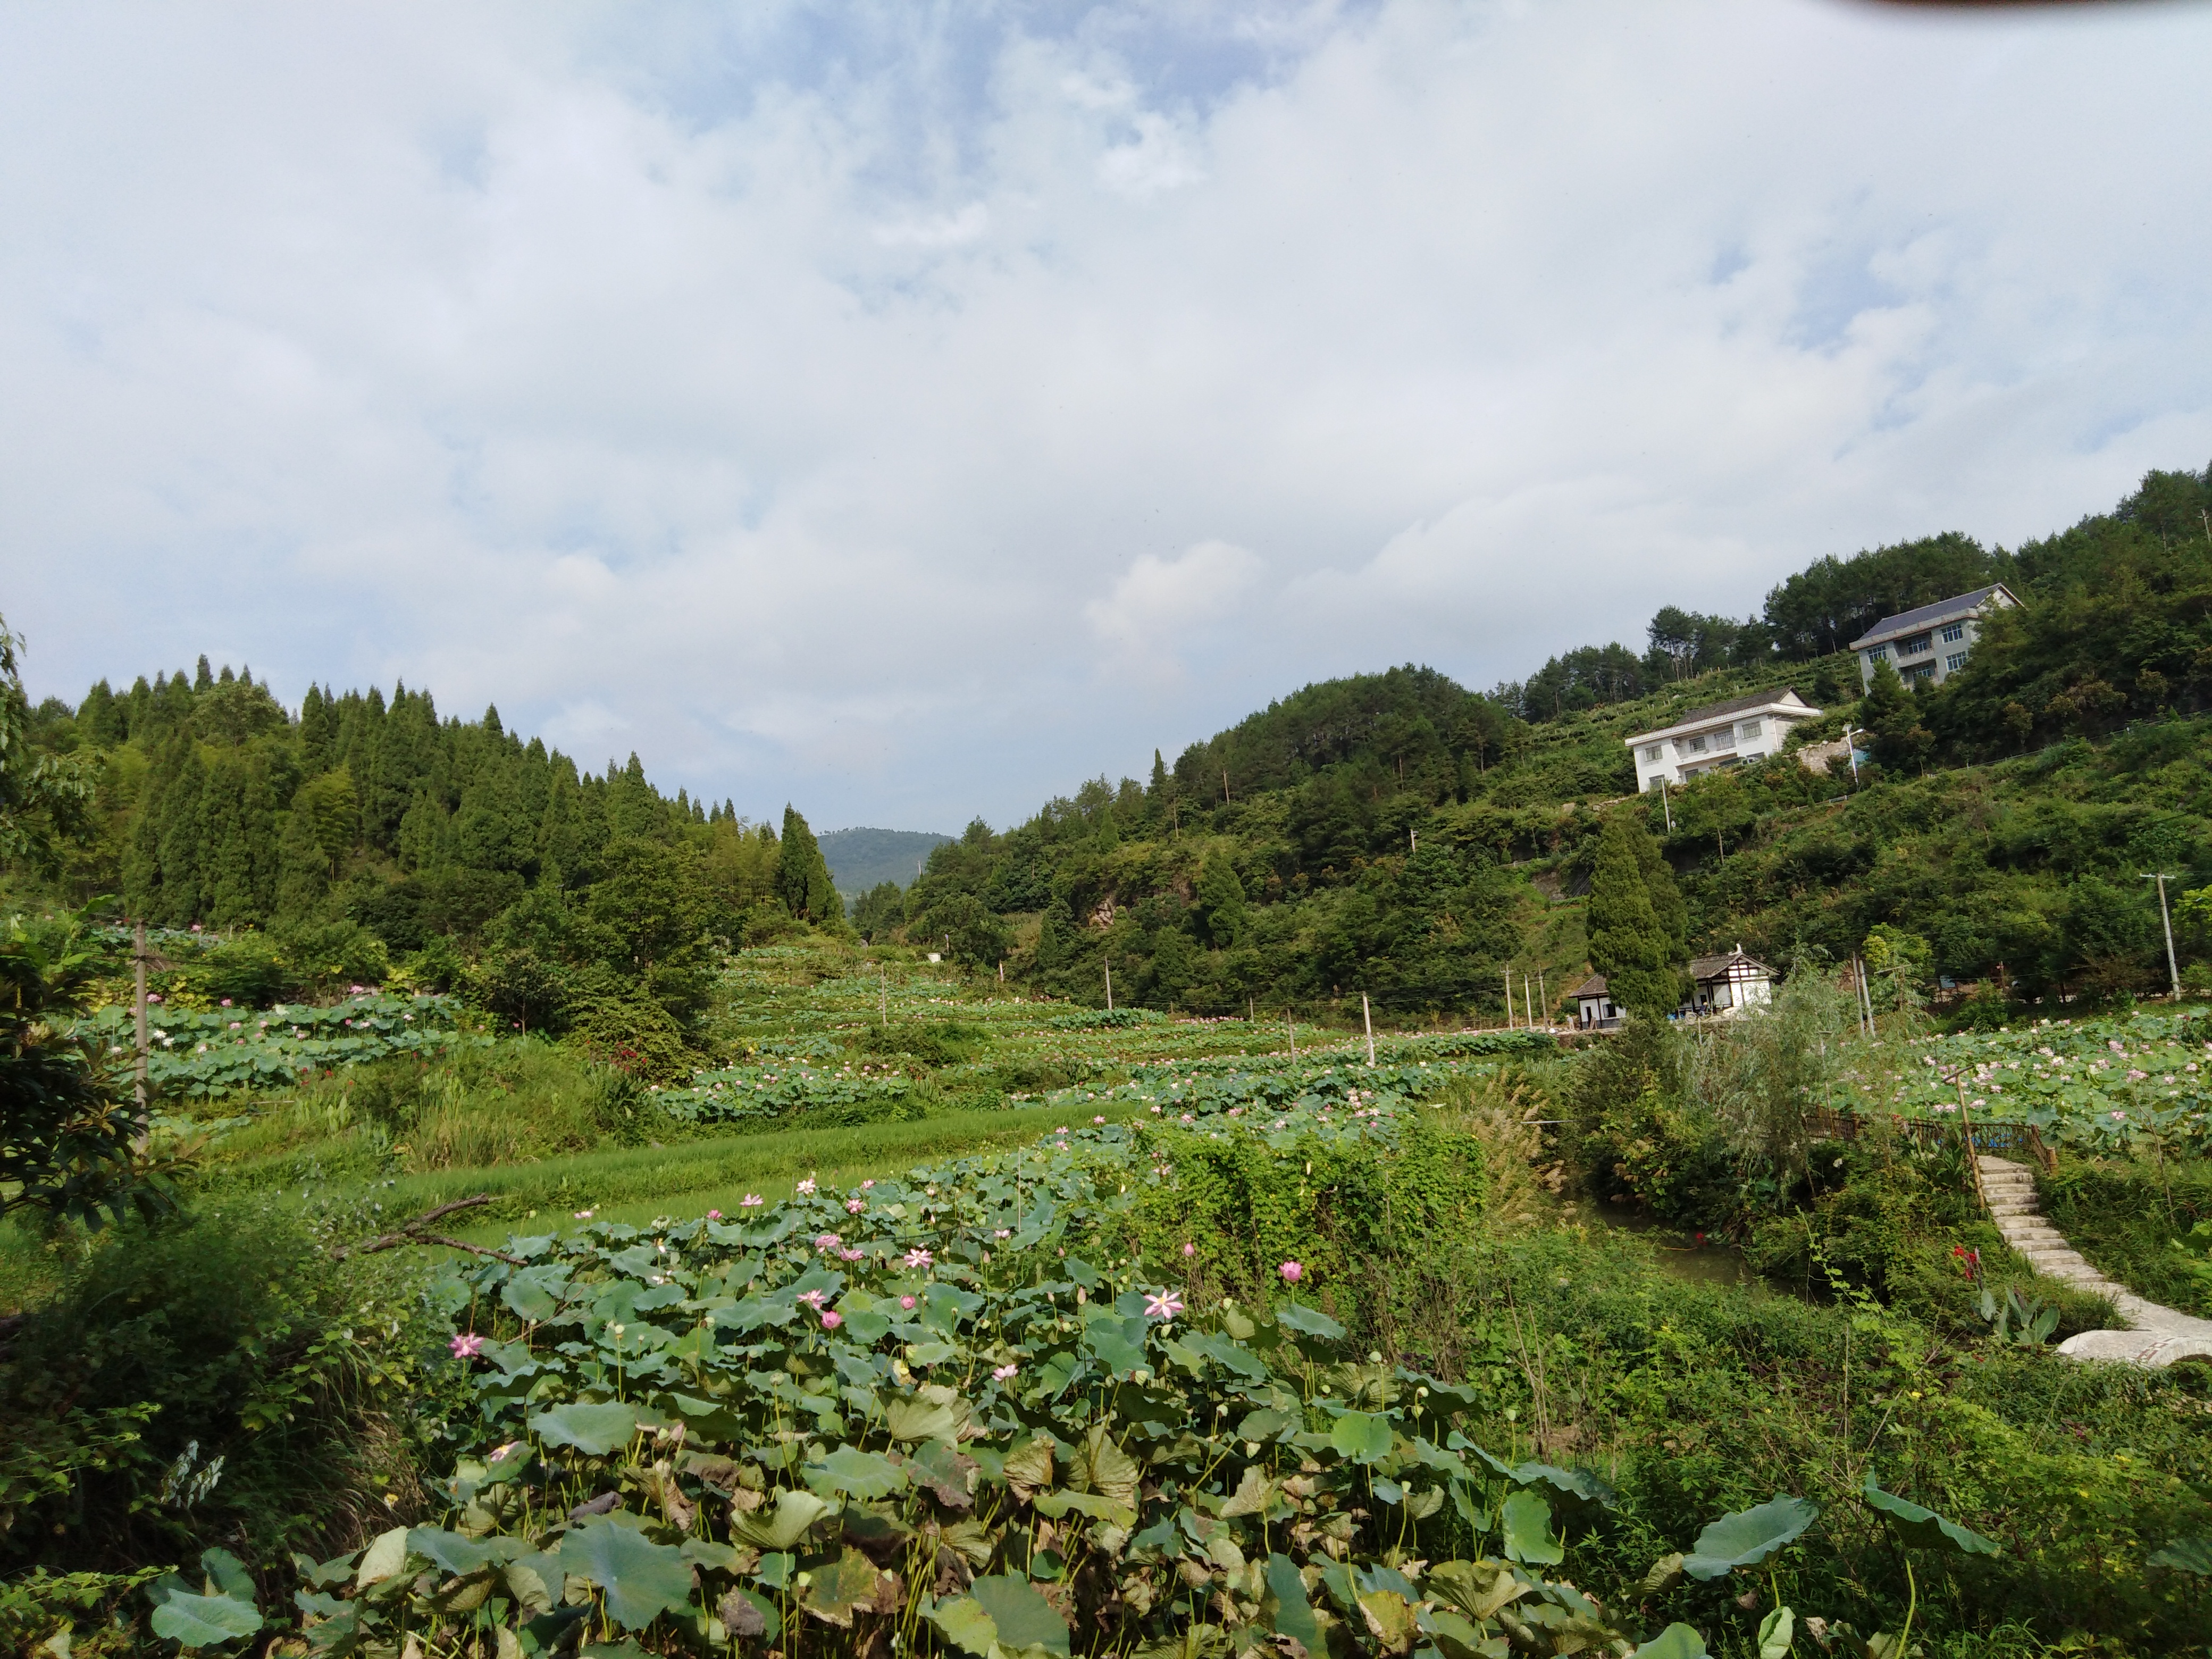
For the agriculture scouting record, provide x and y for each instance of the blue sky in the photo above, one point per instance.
(909, 410)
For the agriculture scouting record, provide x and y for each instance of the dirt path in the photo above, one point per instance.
(2161, 1335)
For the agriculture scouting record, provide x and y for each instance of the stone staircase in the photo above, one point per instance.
(2160, 1336)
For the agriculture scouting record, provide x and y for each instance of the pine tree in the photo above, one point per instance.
(1628, 942)
(1889, 717)
(802, 874)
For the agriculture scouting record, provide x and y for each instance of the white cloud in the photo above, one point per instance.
(1158, 605)
(830, 404)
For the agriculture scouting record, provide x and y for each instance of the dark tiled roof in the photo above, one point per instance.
(1592, 987)
(1704, 967)
(1928, 615)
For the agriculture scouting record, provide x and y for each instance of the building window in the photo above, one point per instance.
(1877, 654)
(1749, 729)
(1915, 646)
(1653, 752)
(1953, 632)
(1954, 662)
(1697, 746)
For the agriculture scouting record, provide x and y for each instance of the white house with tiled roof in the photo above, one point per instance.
(1722, 735)
(1930, 645)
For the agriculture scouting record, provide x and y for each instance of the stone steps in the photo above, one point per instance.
(2162, 1335)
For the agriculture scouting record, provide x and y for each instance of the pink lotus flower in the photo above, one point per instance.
(714, 1215)
(225, 1002)
(583, 1215)
(855, 1206)
(468, 1346)
(1000, 1373)
(1291, 1271)
(867, 1185)
(918, 1257)
(1098, 1119)
(1166, 1305)
(1002, 1232)
(806, 1186)
(1190, 1249)
(832, 1320)
(829, 1242)
(851, 1255)
(906, 1302)
(813, 1299)
(751, 1202)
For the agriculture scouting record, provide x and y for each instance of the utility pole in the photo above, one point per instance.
(1368, 1020)
(1109, 985)
(1665, 807)
(2173, 973)
(885, 1002)
(1543, 996)
(1224, 785)
(1509, 999)
(1852, 750)
(1291, 1020)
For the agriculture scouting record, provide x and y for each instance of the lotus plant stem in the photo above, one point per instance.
(1912, 1605)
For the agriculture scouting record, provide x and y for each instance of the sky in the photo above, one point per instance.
(911, 411)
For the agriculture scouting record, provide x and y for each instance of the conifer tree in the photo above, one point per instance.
(802, 874)
(1628, 942)
(1892, 720)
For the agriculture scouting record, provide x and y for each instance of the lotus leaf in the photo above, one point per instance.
(595, 1429)
(205, 1621)
(852, 1584)
(1285, 1607)
(1776, 1632)
(1749, 1536)
(1253, 1493)
(1389, 1619)
(795, 1511)
(641, 1579)
(1675, 1642)
(1361, 1437)
(964, 1623)
(1478, 1589)
(1455, 1637)
(925, 1419)
(1021, 1614)
(1308, 1321)
(1029, 1470)
(385, 1557)
(1104, 1466)
(859, 1474)
(227, 1574)
(1923, 1529)
(1528, 1538)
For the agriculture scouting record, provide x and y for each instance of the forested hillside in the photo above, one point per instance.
(359, 839)
(1394, 834)
(1399, 834)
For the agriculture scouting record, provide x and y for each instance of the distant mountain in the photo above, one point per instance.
(859, 859)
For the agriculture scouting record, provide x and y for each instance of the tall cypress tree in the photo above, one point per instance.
(1628, 942)
(802, 874)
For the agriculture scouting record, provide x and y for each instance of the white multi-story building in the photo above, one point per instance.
(1726, 734)
(1930, 645)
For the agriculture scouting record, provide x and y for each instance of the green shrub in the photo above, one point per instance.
(217, 1378)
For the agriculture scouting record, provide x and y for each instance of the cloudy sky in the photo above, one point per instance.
(909, 410)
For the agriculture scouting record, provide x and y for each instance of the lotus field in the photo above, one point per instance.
(205, 1055)
(966, 1412)
(2098, 1085)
